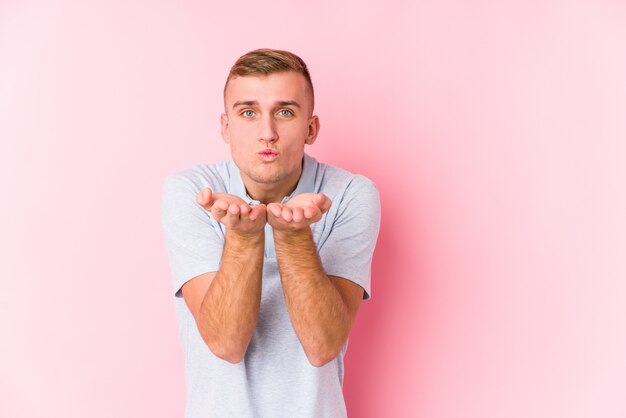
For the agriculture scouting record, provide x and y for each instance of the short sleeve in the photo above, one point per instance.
(193, 242)
(348, 250)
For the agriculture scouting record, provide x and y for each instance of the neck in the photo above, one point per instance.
(271, 192)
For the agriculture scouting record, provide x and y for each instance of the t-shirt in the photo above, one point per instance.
(275, 378)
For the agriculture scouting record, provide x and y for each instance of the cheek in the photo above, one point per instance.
(294, 133)
(241, 133)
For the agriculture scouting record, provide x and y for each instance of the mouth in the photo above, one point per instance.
(268, 155)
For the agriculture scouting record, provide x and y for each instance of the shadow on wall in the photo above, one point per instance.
(384, 336)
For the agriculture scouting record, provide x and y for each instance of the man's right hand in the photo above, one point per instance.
(233, 212)
(226, 303)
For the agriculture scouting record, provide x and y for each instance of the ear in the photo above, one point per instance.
(314, 128)
(224, 123)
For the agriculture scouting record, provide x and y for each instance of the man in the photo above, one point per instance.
(270, 254)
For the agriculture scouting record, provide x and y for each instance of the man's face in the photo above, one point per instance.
(267, 123)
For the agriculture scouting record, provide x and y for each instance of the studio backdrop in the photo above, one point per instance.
(495, 132)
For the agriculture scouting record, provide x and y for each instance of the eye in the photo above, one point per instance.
(285, 113)
(247, 113)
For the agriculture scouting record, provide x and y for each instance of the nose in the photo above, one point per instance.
(268, 131)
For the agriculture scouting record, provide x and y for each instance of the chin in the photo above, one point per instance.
(265, 178)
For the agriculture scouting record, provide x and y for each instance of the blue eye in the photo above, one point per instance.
(285, 112)
(247, 113)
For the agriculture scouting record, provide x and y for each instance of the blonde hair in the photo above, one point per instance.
(268, 61)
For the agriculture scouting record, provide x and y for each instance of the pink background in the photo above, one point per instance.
(495, 133)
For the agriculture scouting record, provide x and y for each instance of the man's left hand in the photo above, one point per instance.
(299, 212)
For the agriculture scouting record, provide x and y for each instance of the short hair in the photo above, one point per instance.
(267, 61)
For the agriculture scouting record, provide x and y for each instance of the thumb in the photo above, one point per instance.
(258, 210)
(323, 202)
(205, 198)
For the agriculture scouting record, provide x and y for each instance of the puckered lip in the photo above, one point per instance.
(268, 152)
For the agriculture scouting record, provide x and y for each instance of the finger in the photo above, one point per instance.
(221, 205)
(233, 209)
(275, 209)
(199, 198)
(231, 216)
(256, 211)
(218, 213)
(287, 214)
(204, 197)
(311, 212)
(219, 209)
(244, 209)
(323, 202)
(297, 214)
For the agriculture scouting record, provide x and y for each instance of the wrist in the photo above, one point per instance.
(293, 235)
(246, 238)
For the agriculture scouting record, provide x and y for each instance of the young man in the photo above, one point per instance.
(270, 254)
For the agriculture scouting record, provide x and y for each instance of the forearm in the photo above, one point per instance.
(230, 307)
(319, 315)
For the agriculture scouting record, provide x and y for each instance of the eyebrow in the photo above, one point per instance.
(254, 102)
(245, 103)
(289, 103)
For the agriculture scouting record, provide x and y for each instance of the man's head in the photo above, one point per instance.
(268, 119)
(262, 62)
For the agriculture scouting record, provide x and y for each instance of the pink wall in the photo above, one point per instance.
(495, 133)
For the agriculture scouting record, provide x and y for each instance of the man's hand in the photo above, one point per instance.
(233, 212)
(226, 303)
(299, 212)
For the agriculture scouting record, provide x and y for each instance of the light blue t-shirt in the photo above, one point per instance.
(274, 379)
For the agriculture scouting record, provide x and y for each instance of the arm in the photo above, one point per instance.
(225, 304)
(321, 307)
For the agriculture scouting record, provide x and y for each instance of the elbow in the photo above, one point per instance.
(233, 358)
(319, 358)
(227, 352)
(320, 361)
(230, 355)
(224, 344)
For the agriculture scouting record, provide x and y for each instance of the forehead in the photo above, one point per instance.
(283, 86)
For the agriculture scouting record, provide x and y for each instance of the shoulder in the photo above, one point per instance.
(179, 209)
(342, 185)
(198, 177)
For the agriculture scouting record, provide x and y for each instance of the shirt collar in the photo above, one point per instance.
(306, 183)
